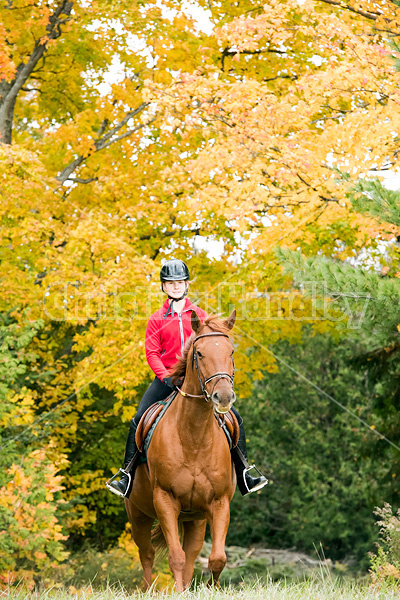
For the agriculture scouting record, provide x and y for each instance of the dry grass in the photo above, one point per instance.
(317, 588)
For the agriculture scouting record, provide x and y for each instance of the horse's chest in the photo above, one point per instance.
(192, 485)
(193, 473)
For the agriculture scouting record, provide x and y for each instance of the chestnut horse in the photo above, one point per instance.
(189, 479)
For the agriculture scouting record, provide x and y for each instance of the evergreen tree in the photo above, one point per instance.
(327, 471)
(370, 299)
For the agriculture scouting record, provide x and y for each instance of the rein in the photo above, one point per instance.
(203, 380)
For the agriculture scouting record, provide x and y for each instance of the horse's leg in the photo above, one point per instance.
(168, 509)
(141, 533)
(218, 519)
(194, 532)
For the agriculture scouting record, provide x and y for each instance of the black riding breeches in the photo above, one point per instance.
(156, 391)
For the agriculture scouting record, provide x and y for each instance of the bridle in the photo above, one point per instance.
(204, 380)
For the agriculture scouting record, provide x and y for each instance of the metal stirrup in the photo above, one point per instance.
(256, 487)
(113, 489)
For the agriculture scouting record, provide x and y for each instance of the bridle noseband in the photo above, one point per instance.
(203, 380)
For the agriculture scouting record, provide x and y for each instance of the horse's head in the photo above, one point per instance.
(213, 360)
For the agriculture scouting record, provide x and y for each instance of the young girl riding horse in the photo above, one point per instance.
(166, 335)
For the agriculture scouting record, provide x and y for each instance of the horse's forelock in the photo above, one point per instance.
(215, 324)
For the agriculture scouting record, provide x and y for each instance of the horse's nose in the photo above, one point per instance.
(223, 401)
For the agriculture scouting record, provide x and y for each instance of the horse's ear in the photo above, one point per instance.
(230, 321)
(196, 323)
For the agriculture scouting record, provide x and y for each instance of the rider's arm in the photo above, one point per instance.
(153, 348)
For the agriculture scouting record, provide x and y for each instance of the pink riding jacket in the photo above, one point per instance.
(166, 336)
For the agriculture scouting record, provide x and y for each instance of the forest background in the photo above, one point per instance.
(260, 127)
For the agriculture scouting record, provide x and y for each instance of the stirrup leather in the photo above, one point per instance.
(256, 487)
(114, 490)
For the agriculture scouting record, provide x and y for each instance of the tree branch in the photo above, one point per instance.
(367, 15)
(353, 296)
(372, 16)
(80, 180)
(104, 141)
(128, 116)
(292, 77)
(151, 235)
(126, 134)
(226, 52)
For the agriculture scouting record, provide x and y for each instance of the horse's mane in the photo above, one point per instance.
(214, 323)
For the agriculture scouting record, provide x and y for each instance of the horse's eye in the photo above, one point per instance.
(199, 354)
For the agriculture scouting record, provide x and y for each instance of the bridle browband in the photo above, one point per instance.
(204, 380)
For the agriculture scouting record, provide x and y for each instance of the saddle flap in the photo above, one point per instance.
(145, 424)
(230, 421)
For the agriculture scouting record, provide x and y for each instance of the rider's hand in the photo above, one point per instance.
(168, 381)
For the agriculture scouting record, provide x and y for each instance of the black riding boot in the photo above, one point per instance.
(131, 460)
(246, 483)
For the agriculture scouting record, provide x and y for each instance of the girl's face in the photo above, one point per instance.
(175, 289)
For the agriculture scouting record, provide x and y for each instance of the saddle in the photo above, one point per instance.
(228, 422)
(150, 419)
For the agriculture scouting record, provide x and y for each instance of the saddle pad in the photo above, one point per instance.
(149, 418)
(229, 423)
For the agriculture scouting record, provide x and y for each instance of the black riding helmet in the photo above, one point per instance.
(174, 270)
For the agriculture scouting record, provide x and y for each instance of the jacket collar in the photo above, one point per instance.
(187, 306)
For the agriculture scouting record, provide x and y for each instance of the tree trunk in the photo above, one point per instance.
(9, 90)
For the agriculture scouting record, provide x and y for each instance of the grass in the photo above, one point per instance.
(316, 588)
